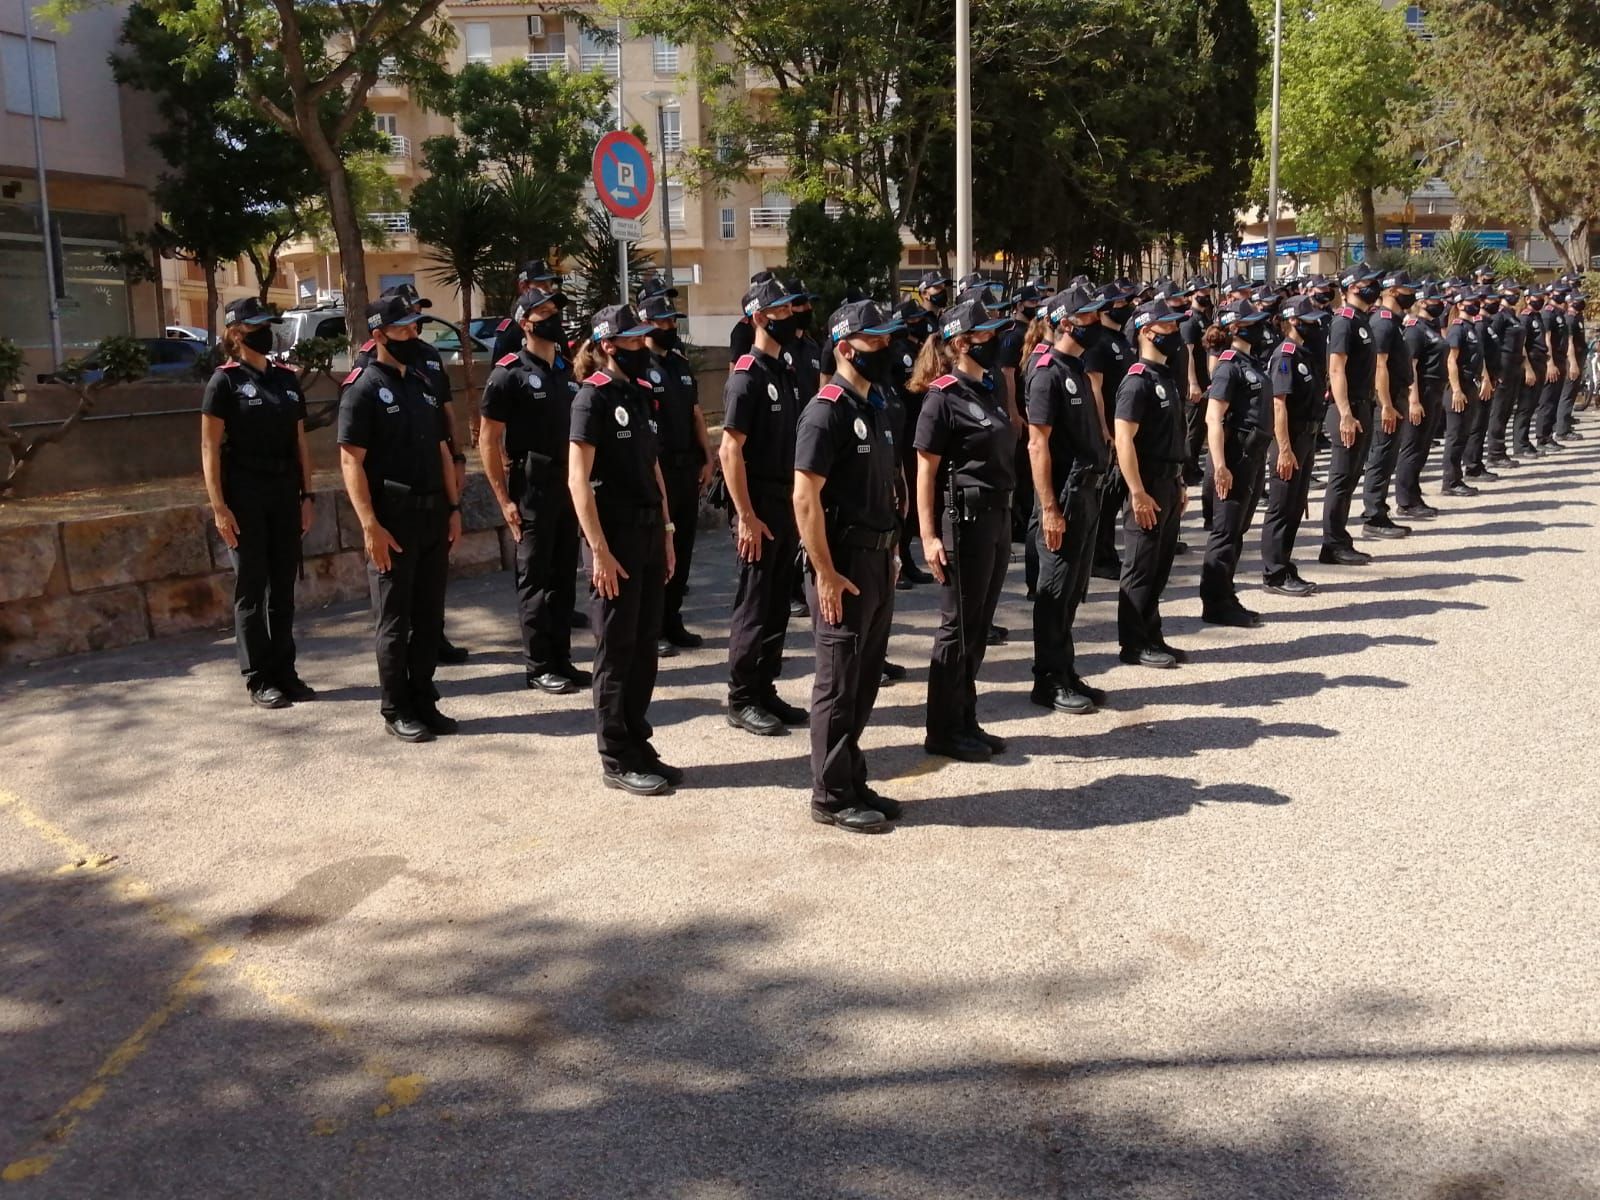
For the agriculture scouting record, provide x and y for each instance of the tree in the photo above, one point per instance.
(595, 258)
(456, 214)
(1349, 93)
(853, 251)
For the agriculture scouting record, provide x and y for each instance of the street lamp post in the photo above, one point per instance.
(54, 298)
(622, 243)
(1272, 163)
(963, 139)
(660, 99)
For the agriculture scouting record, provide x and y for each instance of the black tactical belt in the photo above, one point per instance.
(975, 500)
(859, 537)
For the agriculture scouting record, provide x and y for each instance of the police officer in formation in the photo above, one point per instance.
(1393, 373)
(1297, 387)
(1351, 380)
(1425, 344)
(258, 478)
(1466, 392)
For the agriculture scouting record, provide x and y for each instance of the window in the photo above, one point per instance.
(665, 57)
(730, 225)
(93, 294)
(14, 65)
(671, 130)
(675, 205)
(478, 48)
(387, 123)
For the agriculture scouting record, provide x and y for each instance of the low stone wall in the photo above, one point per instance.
(99, 582)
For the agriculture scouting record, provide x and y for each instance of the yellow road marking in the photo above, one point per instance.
(401, 1090)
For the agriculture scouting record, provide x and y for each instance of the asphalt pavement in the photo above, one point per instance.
(1312, 916)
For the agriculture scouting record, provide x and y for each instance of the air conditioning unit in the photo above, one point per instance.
(535, 26)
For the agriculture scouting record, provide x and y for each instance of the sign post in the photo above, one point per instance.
(625, 181)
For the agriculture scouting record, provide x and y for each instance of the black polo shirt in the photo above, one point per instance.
(1240, 383)
(760, 402)
(1578, 337)
(849, 441)
(1427, 348)
(1489, 343)
(1109, 358)
(804, 357)
(1296, 382)
(1193, 332)
(677, 395)
(1148, 396)
(1555, 333)
(1059, 397)
(532, 398)
(1388, 337)
(1464, 338)
(260, 413)
(615, 417)
(430, 368)
(1351, 336)
(398, 420)
(965, 422)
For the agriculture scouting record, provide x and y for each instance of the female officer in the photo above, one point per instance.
(1238, 429)
(258, 475)
(620, 499)
(1464, 368)
(1296, 397)
(964, 427)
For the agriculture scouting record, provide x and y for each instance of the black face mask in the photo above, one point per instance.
(1322, 299)
(1028, 314)
(1535, 305)
(1203, 303)
(802, 319)
(1471, 310)
(407, 353)
(634, 363)
(1088, 336)
(937, 299)
(875, 366)
(548, 329)
(983, 353)
(783, 330)
(1168, 343)
(1434, 309)
(1491, 307)
(1367, 293)
(258, 339)
(665, 339)
(1404, 302)
(1121, 312)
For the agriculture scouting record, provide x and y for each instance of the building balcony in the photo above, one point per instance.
(391, 222)
(398, 161)
(547, 62)
(768, 219)
(604, 61)
(665, 62)
(758, 80)
(387, 83)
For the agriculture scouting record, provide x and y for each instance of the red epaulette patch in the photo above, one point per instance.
(1410, 321)
(830, 392)
(1227, 356)
(1138, 368)
(506, 361)
(503, 326)
(355, 374)
(1347, 311)
(368, 347)
(229, 365)
(1386, 313)
(943, 381)
(1041, 349)
(599, 379)
(746, 361)
(1288, 347)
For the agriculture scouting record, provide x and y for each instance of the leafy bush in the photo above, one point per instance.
(10, 364)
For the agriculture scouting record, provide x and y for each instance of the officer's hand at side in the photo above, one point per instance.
(307, 514)
(1183, 500)
(1349, 430)
(379, 545)
(672, 559)
(1145, 509)
(1414, 413)
(1196, 394)
(1222, 484)
(228, 526)
(513, 516)
(1053, 524)
(1485, 390)
(1390, 418)
(1458, 402)
(938, 560)
(453, 531)
(607, 575)
(1552, 373)
(705, 476)
(1288, 464)
(752, 531)
(831, 588)
(1528, 377)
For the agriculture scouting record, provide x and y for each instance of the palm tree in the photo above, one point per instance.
(455, 214)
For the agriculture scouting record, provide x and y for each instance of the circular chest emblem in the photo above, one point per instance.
(975, 409)
(1305, 373)
(386, 395)
(1161, 392)
(1251, 377)
(861, 429)
(788, 358)
(1365, 336)
(906, 359)
(655, 376)
(294, 395)
(622, 416)
(248, 389)
(1072, 386)
(535, 381)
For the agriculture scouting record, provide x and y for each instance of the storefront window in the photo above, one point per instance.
(94, 296)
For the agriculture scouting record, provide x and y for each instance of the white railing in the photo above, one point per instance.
(672, 141)
(770, 218)
(665, 60)
(399, 147)
(391, 222)
(599, 60)
(548, 62)
(389, 67)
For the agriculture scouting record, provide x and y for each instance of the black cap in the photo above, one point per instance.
(1082, 281)
(1430, 290)
(1240, 312)
(1580, 300)
(801, 295)
(969, 316)
(1398, 279)
(1361, 272)
(1028, 293)
(534, 299)
(932, 280)
(618, 320)
(390, 310)
(768, 293)
(1154, 313)
(1303, 308)
(536, 271)
(1238, 283)
(656, 286)
(408, 293)
(1266, 297)
(1163, 288)
(1510, 289)
(1484, 273)
(1075, 300)
(1111, 294)
(972, 281)
(248, 310)
(861, 316)
(659, 307)
(1199, 283)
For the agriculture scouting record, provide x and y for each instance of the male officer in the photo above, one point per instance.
(803, 355)
(1577, 356)
(846, 508)
(1393, 375)
(1106, 361)
(1297, 389)
(742, 336)
(527, 417)
(1556, 335)
(1351, 375)
(1537, 372)
(1425, 340)
(1511, 378)
(1473, 461)
(920, 312)
(1198, 377)
(398, 473)
(761, 410)
(536, 273)
(1467, 393)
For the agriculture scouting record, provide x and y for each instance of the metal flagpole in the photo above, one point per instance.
(1272, 165)
(44, 189)
(963, 139)
(622, 245)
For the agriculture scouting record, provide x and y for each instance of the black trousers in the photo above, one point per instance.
(1230, 518)
(1383, 455)
(1506, 399)
(545, 574)
(1569, 396)
(979, 549)
(1550, 405)
(1344, 470)
(760, 618)
(408, 599)
(1063, 583)
(625, 633)
(1113, 499)
(1286, 502)
(1194, 421)
(1416, 441)
(1458, 430)
(683, 502)
(1147, 561)
(1477, 430)
(264, 565)
(849, 668)
(1522, 430)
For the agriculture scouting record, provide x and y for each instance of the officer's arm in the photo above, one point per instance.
(1097, 386)
(1010, 376)
(211, 430)
(452, 490)
(1382, 379)
(1216, 429)
(580, 461)
(351, 459)
(492, 446)
(1452, 367)
(1338, 383)
(927, 476)
(1128, 457)
(808, 516)
(1040, 466)
(702, 435)
(731, 454)
(303, 452)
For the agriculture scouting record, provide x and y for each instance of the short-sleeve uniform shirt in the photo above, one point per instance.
(1388, 337)
(1059, 398)
(260, 413)
(965, 422)
(849, 440)
(615, 417)
(760, 402)
(1351, 336)
(1148, 396)
(1427, 346)
(1240, 383)
(532, 398)
(398, 420)
(1294, 381)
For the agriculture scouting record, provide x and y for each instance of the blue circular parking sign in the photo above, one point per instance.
(624, 176)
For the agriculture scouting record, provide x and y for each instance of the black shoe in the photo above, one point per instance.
(1572, 435)
(579, 619)
(1527, 452)
(1178, 656)
(797, 608)
(298, 690)
(1418, 512)
(787, 713)
(998, 635)
(1291, 585)
(852, 819)
(640, 783)
(1148, 657)
(438, 723)
(1109, 569)
(665, 649)
(409, 729)
(1550, 445)
(996, 744)
(684, 640)
(1061, 697)
(1030, 595)
(552, 684)
(579, 677)
(1482, 473)
(268, 696)
(1238, 617)
(915, 573)
(903, 584)
(1501, 460)
(752, 718)
(1344, 556)
(1181, 548)
(1461, 490)
(1094, 693)
(451, 655)
(893, 671)
(878, 802)
(961, 747)
(1387, 530)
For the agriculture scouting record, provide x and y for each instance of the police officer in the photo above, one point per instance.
(1008, 357)
(1393, 376)
(1463, 364)
(536, 273)
(527, 415)
(402, 484)
(846, 468)
(1474, 466)
(620, 498)
(258, 473)
(1425, 342)
(1512, 377)
(803, 354)
(1239, 427)
(1351, 378)
(684, 451)
(1537, 371)
(1068, 456)
(742, 337)
(1151, 445)
(1297, 389)
(1106, 361)
(1198, 366)
(1577, 356)
(966, 451)
(761, 410)
(1556, 335)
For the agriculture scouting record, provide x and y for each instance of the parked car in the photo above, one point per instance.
(188, 333)
(444, 340)
(168, 357)
(302, 324)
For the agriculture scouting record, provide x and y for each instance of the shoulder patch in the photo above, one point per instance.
(1138, 368)
(1227, 356)
(1410, 321)
(1347, 311)
(368, 346)
(506, 361)
(1041, 349)
(230, 365)
(1386, 313)
(599, 379)
(1288, 347)
(503, 326)
(943, 381)
(830, 392)
(355, 374)
(746, 361)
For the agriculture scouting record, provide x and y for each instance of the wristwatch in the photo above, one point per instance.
(671, 528)
(455, 508)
